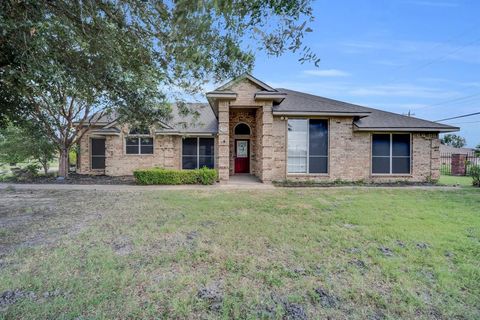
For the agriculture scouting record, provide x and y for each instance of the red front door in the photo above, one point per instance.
(242, 156)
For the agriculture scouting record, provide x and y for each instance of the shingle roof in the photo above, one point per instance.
(202, 122)
(299, 102)
(205, 122)
(370, 119)
(383, 120)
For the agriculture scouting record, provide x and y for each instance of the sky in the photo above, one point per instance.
(421, 56)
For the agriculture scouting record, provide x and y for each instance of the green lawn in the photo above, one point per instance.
(353, 253)
(455, 180)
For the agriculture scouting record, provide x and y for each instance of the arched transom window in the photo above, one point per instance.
(242, 129)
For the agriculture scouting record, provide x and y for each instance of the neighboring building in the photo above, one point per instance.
(444, 149)
(275, 134)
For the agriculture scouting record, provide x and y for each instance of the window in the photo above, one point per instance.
(242, 129)
(97, 153)
(307, 146)
(198, 153)
(391, 153)
(138, 142)
(139, 145)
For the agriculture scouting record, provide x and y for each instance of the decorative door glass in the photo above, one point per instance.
(242, 149)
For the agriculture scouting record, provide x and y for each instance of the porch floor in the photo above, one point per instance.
(244, 179)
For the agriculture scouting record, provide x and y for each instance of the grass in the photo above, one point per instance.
(464, 181)
(205, 254)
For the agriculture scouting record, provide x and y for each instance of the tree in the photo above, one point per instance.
(62, 62)
(477, 150)
(19, 144)
(453, 140)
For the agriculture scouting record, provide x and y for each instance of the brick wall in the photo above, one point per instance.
(245, 91)
(350, 155)
(166, 154)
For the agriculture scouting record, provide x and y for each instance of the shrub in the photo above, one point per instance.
(475, 174)
(168, 176)
(26, 173)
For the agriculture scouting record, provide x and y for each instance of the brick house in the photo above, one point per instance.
(248, 127)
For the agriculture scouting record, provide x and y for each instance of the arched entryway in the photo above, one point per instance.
(242, 134)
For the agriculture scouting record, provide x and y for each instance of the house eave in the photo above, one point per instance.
(179, 133)
(322, 113)
(102, 133)
(277, 97)
(407, 129)
(219, 95)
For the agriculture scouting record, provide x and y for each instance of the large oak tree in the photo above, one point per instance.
(61, 62)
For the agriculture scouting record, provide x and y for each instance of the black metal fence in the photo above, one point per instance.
(446, 162)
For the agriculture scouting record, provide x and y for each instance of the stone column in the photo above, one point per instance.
(459, 164)
(267, 143)
(223, 141)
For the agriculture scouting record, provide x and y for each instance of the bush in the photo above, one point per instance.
(475, 174)
(26, 173)
(168, 176)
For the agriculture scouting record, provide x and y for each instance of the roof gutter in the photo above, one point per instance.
(325, 113)
(104, 133)
(177, 133)
(418, 129)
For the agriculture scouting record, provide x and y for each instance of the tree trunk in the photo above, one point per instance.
(63, 163)
(45, 167)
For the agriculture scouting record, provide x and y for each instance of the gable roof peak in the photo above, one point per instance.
(249, 77)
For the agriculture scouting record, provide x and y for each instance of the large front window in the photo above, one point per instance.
(391, 153)
(307, 146)
(198, 153)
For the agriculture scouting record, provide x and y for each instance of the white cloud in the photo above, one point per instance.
(342, 89)
(433, 3)
(416, 52)
(402, 90)
(327, 73)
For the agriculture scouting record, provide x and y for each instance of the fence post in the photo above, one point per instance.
(459, 164)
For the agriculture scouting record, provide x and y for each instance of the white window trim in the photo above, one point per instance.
(308, 150)
(390, 156)
(198, 152)
(139, 137)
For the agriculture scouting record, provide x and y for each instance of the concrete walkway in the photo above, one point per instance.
(119, 187)
(240, 184)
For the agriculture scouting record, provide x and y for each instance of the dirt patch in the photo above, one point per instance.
(212, 295)
(422, 245)
(74, 178)
(358, 263)
(326, 299)
(400, 243)
(122, 246)
(387, 252)
(294, 311)
(40, 217)
(10, 297)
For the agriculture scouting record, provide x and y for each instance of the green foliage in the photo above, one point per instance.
(63, 61)
(453, 140)
(72, 156)
(477, 150)
(204, 176)
(21, 144)
(26, 173)
(475, 174)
